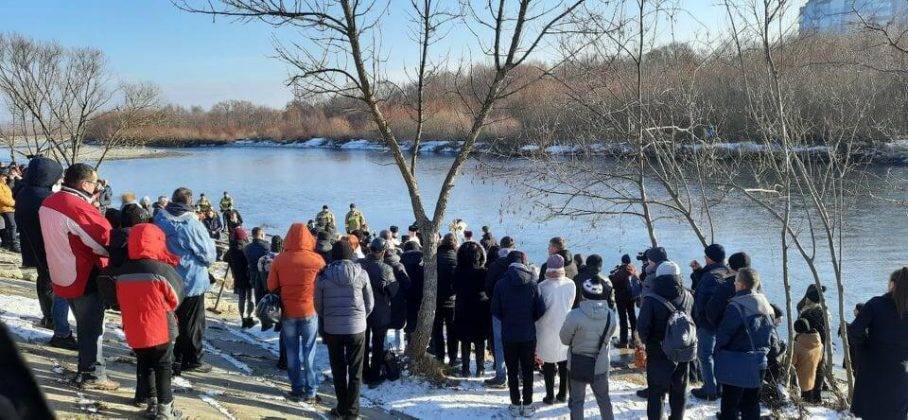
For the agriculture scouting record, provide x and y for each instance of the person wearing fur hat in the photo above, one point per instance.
(662, 375)
(706, 280)
(558, 293)
(588, 330)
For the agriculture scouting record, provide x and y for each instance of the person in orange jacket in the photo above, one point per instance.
(8, 211)
(292, 275)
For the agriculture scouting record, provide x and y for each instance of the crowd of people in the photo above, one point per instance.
(362, 292)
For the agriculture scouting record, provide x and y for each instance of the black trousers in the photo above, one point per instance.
(519, 357)
(441, 328)
(548, 373)
(345, 352)
(626, 312)
(479, 350)
(677, 395)
(45, 291)
(153, 372)
(374, 353)
(191, 324)
(739, 403)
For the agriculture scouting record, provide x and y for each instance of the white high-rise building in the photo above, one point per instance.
(842, 16)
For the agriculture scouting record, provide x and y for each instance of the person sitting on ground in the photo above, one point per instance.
(588, 331)
(343, 300)
(746, 327)
(149, 290)
(355, 220)
(242, 283)
(516, 302)
(557, 245)
(292, 275)
(471, 308)
(558, 292)
(808, 353)
(663, 376)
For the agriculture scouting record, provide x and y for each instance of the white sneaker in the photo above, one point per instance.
(528, 410)
(515, 410)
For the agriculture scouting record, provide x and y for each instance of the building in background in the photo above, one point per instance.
(843, 16)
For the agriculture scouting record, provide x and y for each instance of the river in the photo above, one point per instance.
(275, 186)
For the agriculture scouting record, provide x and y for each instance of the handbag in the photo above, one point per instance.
(583, 367)
(743, 369)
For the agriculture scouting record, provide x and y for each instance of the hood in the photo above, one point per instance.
(595, 309)
(518, 274)
(753, 303)
(668, 286)
(147, 241)
(503, 252)
(179, 210)
(323, 245)
(342, 273)
(43, 172)
(299, 238)
(411, 257)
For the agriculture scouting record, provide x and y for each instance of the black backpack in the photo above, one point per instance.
(680, 341)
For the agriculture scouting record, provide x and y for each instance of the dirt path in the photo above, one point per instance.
(244, 384)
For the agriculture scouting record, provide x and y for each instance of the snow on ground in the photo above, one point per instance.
(470, 399)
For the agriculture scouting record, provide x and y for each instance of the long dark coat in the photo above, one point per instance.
(471, 309)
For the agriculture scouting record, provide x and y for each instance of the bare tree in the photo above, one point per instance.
(343, 57)
(140, 108)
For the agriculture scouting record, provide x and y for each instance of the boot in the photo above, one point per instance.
(151, 411)
(168, 412)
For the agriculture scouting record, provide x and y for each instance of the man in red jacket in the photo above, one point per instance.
(76, 235)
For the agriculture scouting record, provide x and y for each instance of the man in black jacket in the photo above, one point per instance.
(706, 281)
(399, 303)
(495, 272)
(662, 375)
(384, 291)
(258, 248)
(412, 262)
(40, 178)
(444, 308)
(558, 246)
(591, 271)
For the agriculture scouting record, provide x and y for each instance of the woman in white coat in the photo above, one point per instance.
(557, 291)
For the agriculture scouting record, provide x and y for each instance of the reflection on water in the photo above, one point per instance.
(274, 187)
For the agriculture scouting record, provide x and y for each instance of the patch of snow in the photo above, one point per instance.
(362, 145)
(180, 382)
(214, 404)
(530, 148)
(230, 359)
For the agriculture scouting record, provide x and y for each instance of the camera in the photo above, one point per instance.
(641, 256)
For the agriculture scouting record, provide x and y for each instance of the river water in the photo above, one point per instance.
(274, 187)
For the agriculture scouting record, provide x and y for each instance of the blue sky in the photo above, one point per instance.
(200, 62)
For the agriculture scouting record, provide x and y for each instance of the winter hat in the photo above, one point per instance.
(594, 261)
(738, 260)
(715, 252)
(507, 242)
(378, 245)
(625, 259)
(240, 234)
(668, 268)
(656, 254)
(394, 229)
(594, 289)
(802, 326)
(555, 262)
(342, 251)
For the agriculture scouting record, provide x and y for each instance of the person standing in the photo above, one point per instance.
(667, 296)
(879, 335)
(588, 331)
(258, 248)
(355, 220)
(807, 355)
(213, 223)
(226, 203)
(471, 309)
(188, 239)
(149, 290)
(747, 328)
(204, 206)
(706, 281)
(413, 263)
(292, 274)
(343, 300)
(384, 290)
(443, 334)
(622, 278)
(159, 205)
(496, 271)
(558, 246)
(592, 270)
(43, 173)
(325, 221)
(516, 302)
(242, 283)
(558, 293)
(10, 238)
(811, 309)
(105, 196)
(76, 236)
(400, 301)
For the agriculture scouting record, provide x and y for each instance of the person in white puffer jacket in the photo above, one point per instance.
(558, 292)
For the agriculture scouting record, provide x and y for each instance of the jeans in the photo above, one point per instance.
(153, 373)
(345, 351)
(443, 328)
(600, 390)
(548, 374)
(479, 349)
(706, 341)
(61, 317)
(520, 359)
(191, 325)
(677, 394)
(739, 403)
(375, 352)
(299, 339)
(498, 350)
(627, 314)
(52, 307)
(89, 312)
(244, 302)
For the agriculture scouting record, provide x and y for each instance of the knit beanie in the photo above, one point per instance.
(342, 251)
(507, 242)
(594, 261)
(657, 254)
(668, 268)
(594, 289)
(738, 260)
(802, 326)
(554, 262)
(715, 252)
(625, 259)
